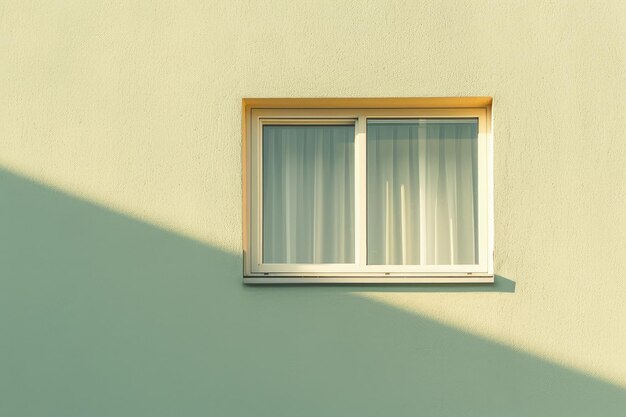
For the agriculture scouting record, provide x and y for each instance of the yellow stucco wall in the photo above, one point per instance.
(136, 106)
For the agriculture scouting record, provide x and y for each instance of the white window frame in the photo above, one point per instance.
(259, 112)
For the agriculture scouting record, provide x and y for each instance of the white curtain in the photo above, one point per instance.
(422, 192)
(308, 194)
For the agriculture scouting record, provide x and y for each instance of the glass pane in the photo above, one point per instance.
(308, 194)
(422, 192)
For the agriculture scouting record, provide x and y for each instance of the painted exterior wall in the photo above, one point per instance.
(120, 212)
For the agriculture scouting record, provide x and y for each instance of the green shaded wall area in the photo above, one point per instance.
(103, 315)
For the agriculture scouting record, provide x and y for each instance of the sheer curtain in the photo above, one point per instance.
(308, 194)
(422, 192)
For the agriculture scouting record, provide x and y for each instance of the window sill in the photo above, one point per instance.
(473, 279)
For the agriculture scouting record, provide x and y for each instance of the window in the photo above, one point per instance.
(367, 190)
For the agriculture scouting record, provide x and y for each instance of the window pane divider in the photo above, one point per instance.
(360, 187)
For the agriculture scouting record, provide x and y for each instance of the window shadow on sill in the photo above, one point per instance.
(500, 284)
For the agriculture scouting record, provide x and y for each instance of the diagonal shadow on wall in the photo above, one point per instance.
(103, 315)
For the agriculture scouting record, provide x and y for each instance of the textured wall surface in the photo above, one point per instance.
(120, 211)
